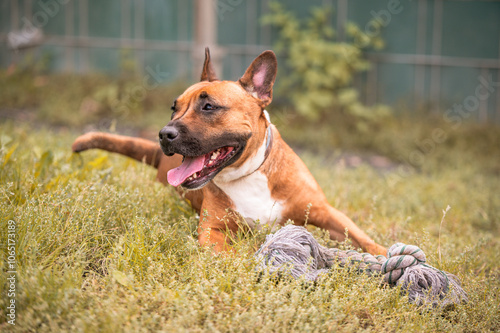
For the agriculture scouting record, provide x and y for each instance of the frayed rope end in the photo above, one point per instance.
(427, 285)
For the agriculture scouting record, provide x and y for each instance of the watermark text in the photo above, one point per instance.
(11, 272)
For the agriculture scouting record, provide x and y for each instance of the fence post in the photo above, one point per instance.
(205, 27)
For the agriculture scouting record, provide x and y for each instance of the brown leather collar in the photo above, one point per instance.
(269, 136)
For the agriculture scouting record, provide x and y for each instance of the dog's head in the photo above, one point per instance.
(218, 123)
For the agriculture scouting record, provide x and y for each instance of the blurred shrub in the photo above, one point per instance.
(318, 69)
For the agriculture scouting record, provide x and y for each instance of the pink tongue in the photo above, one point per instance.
(189, 166)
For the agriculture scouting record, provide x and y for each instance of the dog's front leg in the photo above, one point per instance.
(336, 223)
(215, 231)
(215, 238)
(217, 223)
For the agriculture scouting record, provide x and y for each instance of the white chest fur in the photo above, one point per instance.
(252, 199)
(249, 191)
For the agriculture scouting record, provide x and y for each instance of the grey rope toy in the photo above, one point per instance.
(293, 251)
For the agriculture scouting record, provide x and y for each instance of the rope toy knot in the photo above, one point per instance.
(400, 256)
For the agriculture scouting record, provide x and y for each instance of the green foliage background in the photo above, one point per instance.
(319, 71)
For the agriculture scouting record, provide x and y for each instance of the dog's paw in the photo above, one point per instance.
(84, 142)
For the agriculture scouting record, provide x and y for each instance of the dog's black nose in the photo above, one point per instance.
(168, 133)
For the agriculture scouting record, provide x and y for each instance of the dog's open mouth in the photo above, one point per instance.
(196, 171)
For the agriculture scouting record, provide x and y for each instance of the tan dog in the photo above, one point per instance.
(230, 162)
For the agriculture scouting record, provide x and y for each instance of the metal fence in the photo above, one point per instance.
(439, 54)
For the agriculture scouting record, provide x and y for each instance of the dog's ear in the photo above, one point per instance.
(259, 77)
(208, 73)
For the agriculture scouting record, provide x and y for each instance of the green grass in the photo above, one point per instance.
(103, 247)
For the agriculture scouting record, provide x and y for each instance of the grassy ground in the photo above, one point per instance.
(100, 246)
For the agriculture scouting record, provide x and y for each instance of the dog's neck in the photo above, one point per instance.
(248, 186)
(253, 163)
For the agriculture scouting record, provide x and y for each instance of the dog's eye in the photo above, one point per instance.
(209, 107)
(173, 111)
